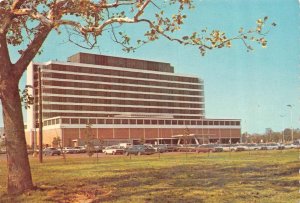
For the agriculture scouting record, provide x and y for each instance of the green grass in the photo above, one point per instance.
(260, 176)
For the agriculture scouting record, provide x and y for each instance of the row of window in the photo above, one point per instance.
(123, 73)
(120, 80)
(119, 87)
(54, 107)
(83, 93)
(51, 114)
(47, 99)
(140, 122)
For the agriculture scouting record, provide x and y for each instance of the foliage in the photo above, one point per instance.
(185, 136)
(240, 177)
(89, 136)
(85, 20)
(26, 98)
(272, 136)
(57, 142)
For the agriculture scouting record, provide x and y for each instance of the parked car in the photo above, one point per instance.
(80, 149)
(125, 145)
(253, 146)
(269, 146)
(218, 149)
(161, 148)
(228, 147)
(187, 148)
(51, 151)
(171, 148)
(205, 148)
(291, 146)
(98, 149)
(113, 150)
(68, 150)
(240, 148)
(139, 150)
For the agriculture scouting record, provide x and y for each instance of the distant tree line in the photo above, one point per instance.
(272, 136)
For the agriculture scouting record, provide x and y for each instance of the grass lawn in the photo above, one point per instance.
(260, 176)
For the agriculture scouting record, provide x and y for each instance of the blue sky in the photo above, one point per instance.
(254, 87)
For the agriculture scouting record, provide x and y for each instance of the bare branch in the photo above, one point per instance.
(31, 50)
(141, 10)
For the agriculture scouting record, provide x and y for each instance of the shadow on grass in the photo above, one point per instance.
(181, 183)
(186, 183)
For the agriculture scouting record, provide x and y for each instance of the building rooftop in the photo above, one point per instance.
(120, 62)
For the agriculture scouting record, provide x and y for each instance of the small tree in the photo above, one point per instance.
(89, 137)
(57, 142)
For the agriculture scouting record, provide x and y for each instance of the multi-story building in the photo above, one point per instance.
(122, 100)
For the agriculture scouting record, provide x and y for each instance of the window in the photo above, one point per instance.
(154, 122)
(83, 121)
(100, 121)
(92, 121)
(117, 121)
(109, 121)
(199, 122)
(132, 121)
(187, 122)
(161, 122)
(66, 121)
(167, 122)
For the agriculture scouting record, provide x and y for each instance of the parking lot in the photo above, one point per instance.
(176, 149)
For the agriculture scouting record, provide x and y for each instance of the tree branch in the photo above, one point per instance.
(31, 50)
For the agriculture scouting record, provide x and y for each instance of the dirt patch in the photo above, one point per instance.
(76, 194)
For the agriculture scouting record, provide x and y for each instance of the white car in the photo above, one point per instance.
(253, 146)
(291, 146)
(68, 150)
(269, 146)
(113, 150)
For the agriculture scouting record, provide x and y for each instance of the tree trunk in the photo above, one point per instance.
(19, 174)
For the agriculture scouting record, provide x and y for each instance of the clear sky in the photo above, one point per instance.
(255, 87)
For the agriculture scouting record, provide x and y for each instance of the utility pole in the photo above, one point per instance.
(40, 118)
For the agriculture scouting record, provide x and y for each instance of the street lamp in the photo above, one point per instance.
(291, 113)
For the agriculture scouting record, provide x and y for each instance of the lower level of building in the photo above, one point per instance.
(108, 134)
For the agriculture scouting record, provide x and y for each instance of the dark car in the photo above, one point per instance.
(139, 150)
(51, 151)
